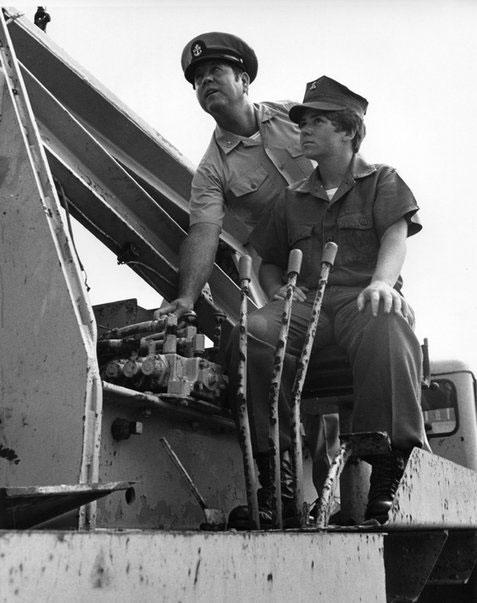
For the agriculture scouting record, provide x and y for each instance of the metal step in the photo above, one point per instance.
(434, 493)
(26, 507)
(191, 566)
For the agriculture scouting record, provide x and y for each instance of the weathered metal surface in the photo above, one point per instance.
(457, 560)
(22, 508)
(170, 406)
(214, 518)
(191, 567)
(434, 492)
(294, 265)
(120, 313)
(331, 484)
(243, 423)
(206, 444)
(329, 253)
(409, 558)
(112, 193)
(354, 474)
(163, 500)
(461, 446)
(50, 407)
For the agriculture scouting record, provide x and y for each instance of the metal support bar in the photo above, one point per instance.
(327, 260)
(27, 507)
(242, 411)
(294, 265)
(331, 482)
(169, 406)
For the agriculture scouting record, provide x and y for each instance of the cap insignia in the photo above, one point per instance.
(197, 48)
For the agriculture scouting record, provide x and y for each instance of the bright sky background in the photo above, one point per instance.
(416, 63)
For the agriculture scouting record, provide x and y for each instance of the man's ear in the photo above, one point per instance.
(245, 78)
(349, 135)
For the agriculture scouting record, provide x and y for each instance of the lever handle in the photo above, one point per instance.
(294, 261)
(245, 267)
(329, 253)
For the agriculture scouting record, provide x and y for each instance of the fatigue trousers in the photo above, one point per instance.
(383, 352)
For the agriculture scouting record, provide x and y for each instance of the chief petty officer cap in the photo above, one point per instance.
(326, 94)
(218, 45)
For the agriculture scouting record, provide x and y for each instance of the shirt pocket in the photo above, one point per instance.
(248, 195)
(358, 242)
(247, 183)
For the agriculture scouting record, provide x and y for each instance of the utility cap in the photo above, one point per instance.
(326, 94)
(220, 46)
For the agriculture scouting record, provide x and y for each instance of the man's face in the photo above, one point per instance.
(217, 86)
(318, 136)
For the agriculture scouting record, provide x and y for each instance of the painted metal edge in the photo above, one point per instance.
(434, 493)
(191, 566)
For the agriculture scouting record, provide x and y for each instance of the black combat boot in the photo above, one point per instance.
(387, 470)
(290, 520)
(239, 518)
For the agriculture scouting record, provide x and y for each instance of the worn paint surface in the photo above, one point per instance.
(331, 484)
(244, 433)
(46, 359)
(275, 384)
(162, 499)
(302, 367)
(165, 566)
(435, 492)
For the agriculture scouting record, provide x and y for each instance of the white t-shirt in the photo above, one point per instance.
(330, 192)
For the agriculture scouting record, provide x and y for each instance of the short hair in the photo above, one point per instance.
(237, 69)
(348, 121)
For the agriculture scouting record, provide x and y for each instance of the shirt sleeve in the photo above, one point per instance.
(207, 197)
(394, 200)
(270, 236)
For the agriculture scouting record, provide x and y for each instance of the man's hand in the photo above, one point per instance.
(178, 306)
(380, 290)
(196, 262)
(298, 295)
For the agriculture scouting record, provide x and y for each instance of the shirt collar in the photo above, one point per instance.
(359, 168)
(227, 141)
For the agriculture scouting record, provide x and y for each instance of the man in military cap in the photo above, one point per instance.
(369, 211)
(253, 155)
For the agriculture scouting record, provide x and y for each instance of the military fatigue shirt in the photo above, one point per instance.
(369, 200)
(245, 175)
